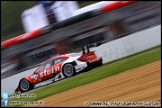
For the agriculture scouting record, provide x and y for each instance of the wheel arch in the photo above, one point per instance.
(69, 63)
(73, 63)
(25, 79)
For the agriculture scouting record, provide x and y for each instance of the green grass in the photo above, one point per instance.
(96, 74)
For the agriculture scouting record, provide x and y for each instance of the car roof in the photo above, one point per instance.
(57, 56)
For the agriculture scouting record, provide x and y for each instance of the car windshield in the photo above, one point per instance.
(39, 68)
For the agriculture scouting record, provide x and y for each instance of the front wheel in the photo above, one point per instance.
(68, 70)
(25, 85)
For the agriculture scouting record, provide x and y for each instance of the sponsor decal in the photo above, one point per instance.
(45, 73)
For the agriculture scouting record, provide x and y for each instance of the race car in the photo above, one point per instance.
(57, 67)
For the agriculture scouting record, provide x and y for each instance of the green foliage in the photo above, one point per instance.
(86, 3)
(11, 11)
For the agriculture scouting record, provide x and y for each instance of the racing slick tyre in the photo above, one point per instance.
(100, 62)
(68, 70)
(89, 67)
(25, 85)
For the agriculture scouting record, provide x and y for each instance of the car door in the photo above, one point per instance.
(48, 70)
(36, 75)
(57, 64)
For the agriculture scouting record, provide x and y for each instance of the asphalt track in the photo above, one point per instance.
(141, 85)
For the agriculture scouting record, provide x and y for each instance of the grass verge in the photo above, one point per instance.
(96, 74)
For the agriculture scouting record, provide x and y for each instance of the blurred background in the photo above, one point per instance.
(11, 16)
(44, 29)
(12, 25)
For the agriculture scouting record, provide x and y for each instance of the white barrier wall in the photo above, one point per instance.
(130, 44)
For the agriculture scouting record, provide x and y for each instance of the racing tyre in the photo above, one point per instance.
(100, 62)
(89, 67)
(68, 70)
(25, 85)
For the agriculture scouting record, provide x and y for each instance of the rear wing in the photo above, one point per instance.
(85, 49)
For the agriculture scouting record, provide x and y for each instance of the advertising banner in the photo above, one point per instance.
(64, 9)
(46, 13)
(34, 18)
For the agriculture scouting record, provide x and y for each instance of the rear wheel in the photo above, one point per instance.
(25, 85)
(89, 67)
(68, 70)
(100, 62)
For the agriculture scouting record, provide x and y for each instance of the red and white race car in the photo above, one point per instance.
(57, 67)
(60, 67)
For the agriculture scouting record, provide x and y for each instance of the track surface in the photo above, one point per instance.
(140, 84)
